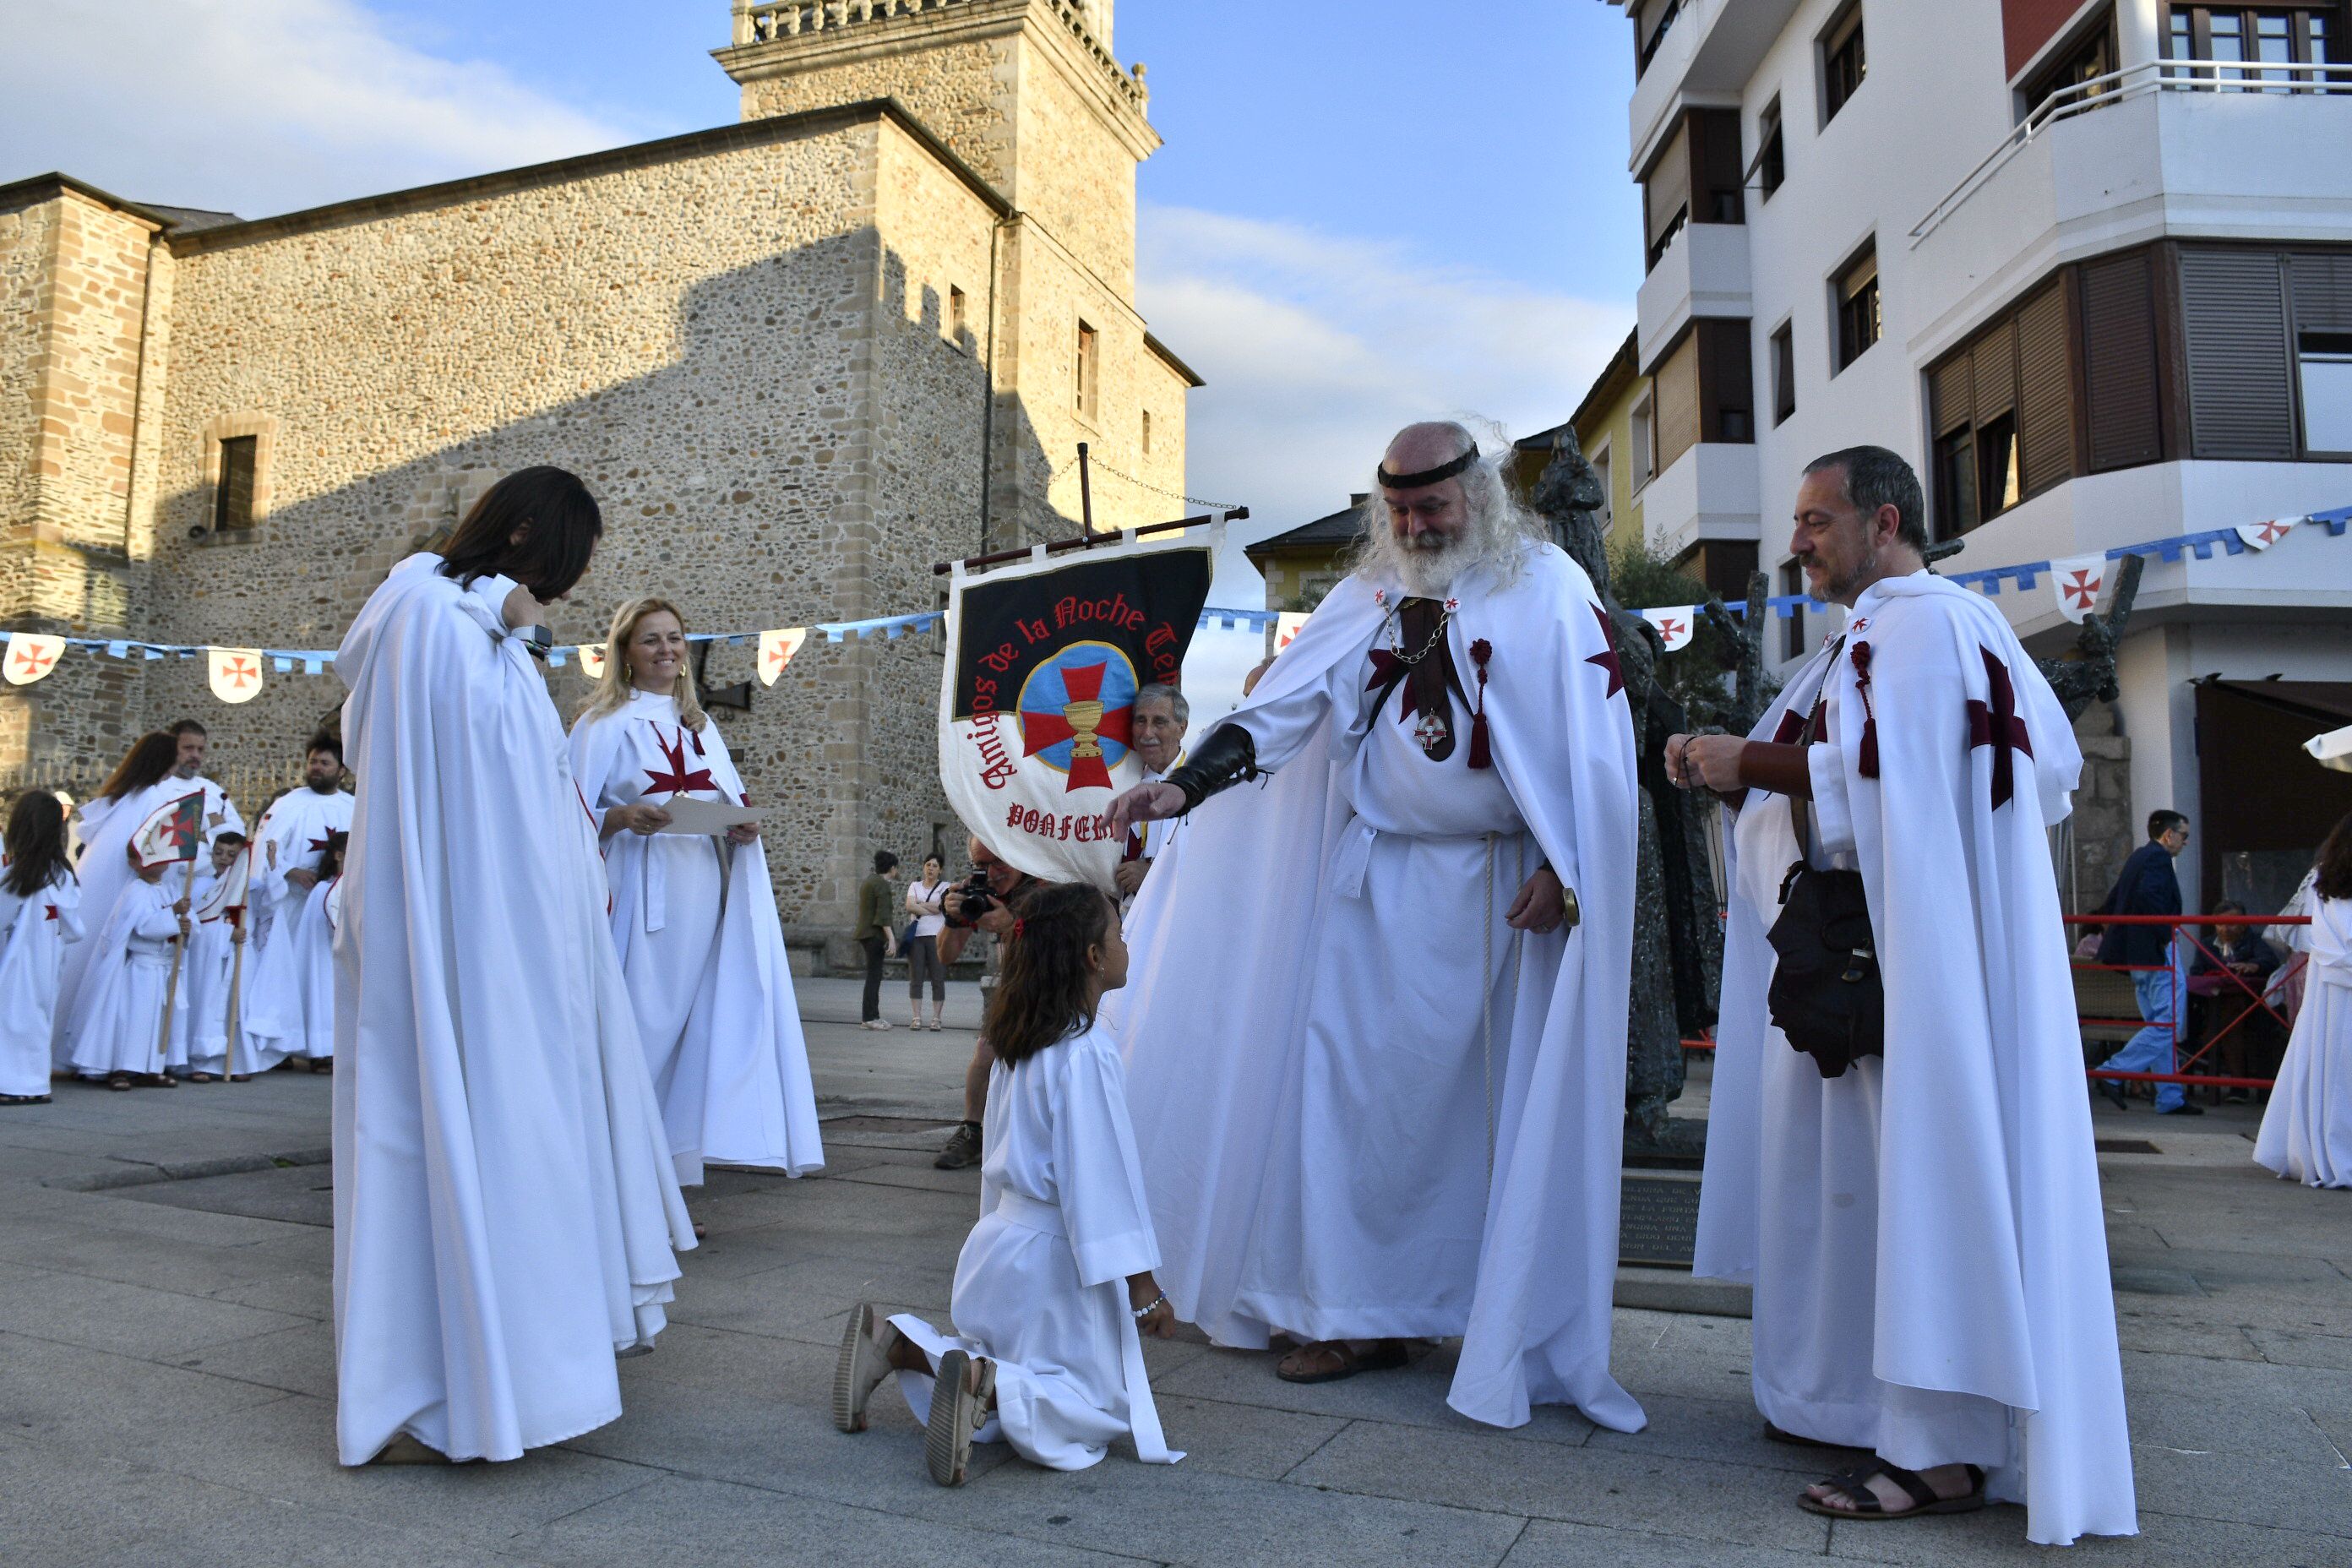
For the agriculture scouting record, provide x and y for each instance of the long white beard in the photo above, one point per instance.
(1428, 574)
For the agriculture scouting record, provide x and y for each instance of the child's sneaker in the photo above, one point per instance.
(865, 1362)
(958, 1407)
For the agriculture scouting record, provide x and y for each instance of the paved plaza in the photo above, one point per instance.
(167, 1375)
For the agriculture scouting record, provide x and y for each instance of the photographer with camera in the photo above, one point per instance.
(980, 902)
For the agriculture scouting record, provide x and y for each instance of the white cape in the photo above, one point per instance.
(2306, 1131)
(38, 931)
(504, 1209)
(1213, 1016)
(103, 828)
(118, 1022)
(735, 1087)
(1990, 1244)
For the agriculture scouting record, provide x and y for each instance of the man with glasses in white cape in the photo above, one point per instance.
(506, 1210)
(1922, 1228)
(1376, 1064)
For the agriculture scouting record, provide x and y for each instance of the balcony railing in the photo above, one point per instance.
(772, 21)
(2325, 79)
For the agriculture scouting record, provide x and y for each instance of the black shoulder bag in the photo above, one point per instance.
(1826, 995)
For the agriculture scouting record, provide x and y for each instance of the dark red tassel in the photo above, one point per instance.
(1866, 758)
(1482, 754)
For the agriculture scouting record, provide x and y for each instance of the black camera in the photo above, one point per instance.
(976, 897)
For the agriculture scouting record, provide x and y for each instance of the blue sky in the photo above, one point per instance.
(1367, 210)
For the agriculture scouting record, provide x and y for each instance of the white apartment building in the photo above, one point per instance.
(2093, 275)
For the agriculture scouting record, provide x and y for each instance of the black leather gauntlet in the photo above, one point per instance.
(1226, 758)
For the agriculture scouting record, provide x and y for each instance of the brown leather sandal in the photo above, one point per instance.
(1387, 1355)
(1856, 1484)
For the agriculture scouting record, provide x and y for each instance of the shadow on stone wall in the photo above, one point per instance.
(809, 452)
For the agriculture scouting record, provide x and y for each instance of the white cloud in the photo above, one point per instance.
(260, 106)
(1316, 347)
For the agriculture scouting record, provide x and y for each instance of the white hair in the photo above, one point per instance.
(1499, 527)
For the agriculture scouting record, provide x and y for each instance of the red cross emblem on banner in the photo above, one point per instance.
(2082, 586)
(1084, 722)
(240, 673)
(778, 657)
(2269, 533)
(1672, 628)
(678, 780)
(33, 663)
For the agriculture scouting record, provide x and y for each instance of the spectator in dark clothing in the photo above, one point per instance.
(994, 914)
(2161, 977)
(2251, 1040)
(876, 909)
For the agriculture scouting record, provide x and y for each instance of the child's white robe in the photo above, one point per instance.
(2306, 1131)
(1041, 1287)
(703, 949)
(119, 1016)
(36, 930)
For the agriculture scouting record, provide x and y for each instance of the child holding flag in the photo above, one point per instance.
(128, 993)
(40, 912)
(214, 973)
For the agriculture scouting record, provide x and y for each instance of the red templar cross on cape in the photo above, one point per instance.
(1083, 724)
(677, 780)
(1996, 724)
(1607, 658)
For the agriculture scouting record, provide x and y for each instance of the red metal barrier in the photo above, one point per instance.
(2183, 926)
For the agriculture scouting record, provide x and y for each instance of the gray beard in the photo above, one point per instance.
(1425, 573)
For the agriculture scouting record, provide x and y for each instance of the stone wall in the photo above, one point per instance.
(27, 231)
(2101, 833)
(1075, 176)
(695, 336)
(963, 93)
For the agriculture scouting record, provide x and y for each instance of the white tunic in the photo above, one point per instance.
(505, 1208)
(694, 920)
(2306, 1131)
(103, 828)
(119, 1019)
(1924, 1231)
(291, 947)
(1041, 1285)
(36, 930)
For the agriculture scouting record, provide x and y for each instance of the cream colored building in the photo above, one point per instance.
(798, 359)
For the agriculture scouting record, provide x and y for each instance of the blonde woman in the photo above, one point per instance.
(693, 916)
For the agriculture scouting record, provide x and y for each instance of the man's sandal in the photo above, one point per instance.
(118, 1080)
(1385, 1356)
(1855, 1485)
(23, 1099)
(960, 1400)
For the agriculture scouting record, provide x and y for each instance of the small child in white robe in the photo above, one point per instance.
(212, 972)
(40, 912)
(1054, 1289)
(117, 1032)
(2306, 1133)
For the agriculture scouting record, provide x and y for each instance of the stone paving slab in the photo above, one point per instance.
(166, 1372)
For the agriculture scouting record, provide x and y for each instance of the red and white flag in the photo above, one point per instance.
(776, 651)
(1676, 625)
(173, 832)
(227, 896)
(31, 656)
(1287, 628)
(592, 660)
(2078, 581)
(2263, 535)
(237, 673)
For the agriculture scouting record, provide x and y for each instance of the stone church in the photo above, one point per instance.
(798, 359)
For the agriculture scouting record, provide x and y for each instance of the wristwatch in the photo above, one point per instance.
(537, 639)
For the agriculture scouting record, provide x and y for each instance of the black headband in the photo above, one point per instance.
(1428, 476)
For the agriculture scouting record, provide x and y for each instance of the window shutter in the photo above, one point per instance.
(1953, 392)
(2241, 372)
(1677, 402)
(2323, 292)
(2119, 362)
(1667, 190)
(2046, 390)
(1995, 356)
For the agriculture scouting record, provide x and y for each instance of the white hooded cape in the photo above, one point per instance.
(103, 828)
(1211, 1017)
(37, 931)
(504, 1209)
(1989, 1242)
(735, 1088)
(2306, 1131)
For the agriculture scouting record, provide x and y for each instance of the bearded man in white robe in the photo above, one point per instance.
(506, 1211)
(1921, 1224)
(220, 812)
(288, 845)
(1378, 1066)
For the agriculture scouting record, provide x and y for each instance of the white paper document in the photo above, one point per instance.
(707, 817)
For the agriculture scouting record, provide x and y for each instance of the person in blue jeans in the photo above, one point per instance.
(2148, 885)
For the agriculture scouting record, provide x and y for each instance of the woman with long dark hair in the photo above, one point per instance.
(693, 917)
(140, 782)
(1055, 1284)
(40, 913)
(2306, 1133)
(505, 1208)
